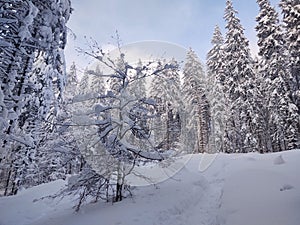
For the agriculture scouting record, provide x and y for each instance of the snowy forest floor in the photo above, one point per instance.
(248, 189)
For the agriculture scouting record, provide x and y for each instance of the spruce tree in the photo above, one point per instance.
(97, 86)
(238, 87)
(216, 97)
(291, 23)
(165, 90)
(138, 84)
(278, 113)
(196, 116)
(32, 77)
(291, 18)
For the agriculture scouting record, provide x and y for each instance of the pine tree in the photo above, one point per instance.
(84, 83)
(17, 61)
(56, 154)
(291, 18)
(238, 87)
(32, 46)
(71, 83)
(138, 83)
(97, 86)
(165, 89)
(278, 113)
(196, 104)
(216, 97)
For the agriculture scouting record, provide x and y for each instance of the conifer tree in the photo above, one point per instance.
(291, 18)
(97, 86)
(239, 88)
(291, 23)
(216, 97)
(196, 119)
(32, 77)
(278, 113)
(138, 84)
(165, 89)
(71, 83)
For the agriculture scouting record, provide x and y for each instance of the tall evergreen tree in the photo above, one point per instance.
(17, 60)
(32, 76)
(84, 83)
(97, 86)
(57, 154)
(278, 113)
(165, 89)
(239, 76)
(138, 83)
(291, 18)
(216, 97)
(291, 22)
(196, 119)
(71, 83)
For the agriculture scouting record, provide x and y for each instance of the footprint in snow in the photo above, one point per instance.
(279, 160)
(286, 187)
(251, 159)
(198, 183)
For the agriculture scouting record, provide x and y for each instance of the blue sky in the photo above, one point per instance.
(189, 23)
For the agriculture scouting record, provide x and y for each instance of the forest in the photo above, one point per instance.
(95, 130)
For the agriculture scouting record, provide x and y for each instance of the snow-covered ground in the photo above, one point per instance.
(248, 189)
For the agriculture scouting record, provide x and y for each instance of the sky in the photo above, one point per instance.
(188, 23)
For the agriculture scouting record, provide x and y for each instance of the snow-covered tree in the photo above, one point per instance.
(33, 37)
(216, 96)
(84, 83)
(72, 83)
(17, 61)
(280, 119)
(165, 89)
(291, 18)
(196, 110)
(97, 85)
(58, 154)
(239, 86)
(138, 86)
(111, 131)
(115, 84)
